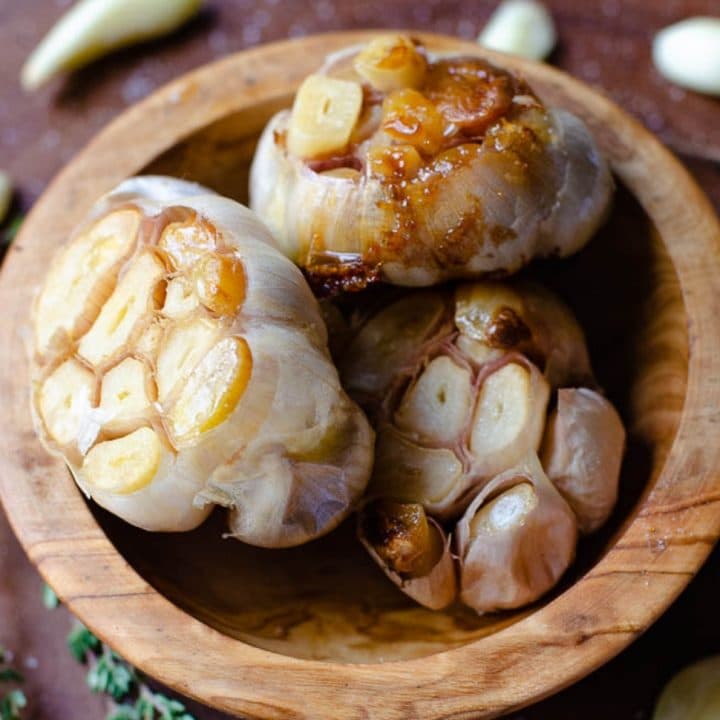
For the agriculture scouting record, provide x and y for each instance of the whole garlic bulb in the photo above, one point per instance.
(442, 166)
(180, 361)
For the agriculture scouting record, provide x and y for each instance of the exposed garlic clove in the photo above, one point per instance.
(515, 540)
(520, 27)
(692, 694)
(408, 472)
(91, 29)
(161, 405)
(412, 550)
(6, 194)
(688, 54)
(412, 119)
(582, 454)
(436, 407)
(323, 117)
(125, 396)
(391, 62)
(509, 418)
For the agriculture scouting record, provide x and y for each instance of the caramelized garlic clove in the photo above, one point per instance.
(391, 62)
(411, 549)
(582, 454)
(323, 116)
(515, 540)
(91, 29)
(125, 396)
(509, 418)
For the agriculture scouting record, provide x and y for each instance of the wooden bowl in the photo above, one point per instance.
(317, 632)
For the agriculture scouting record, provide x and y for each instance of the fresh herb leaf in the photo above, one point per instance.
(9, 235)
(12, 704)
(50, 599)
(82, 643)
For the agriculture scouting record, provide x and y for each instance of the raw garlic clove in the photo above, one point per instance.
(91, 29)
(582, 454)
(191, 363)
(509, 418)
(515, 540)
(323, 116)
(688, 54)
(412, 550)
(391, 62)
(520, 27)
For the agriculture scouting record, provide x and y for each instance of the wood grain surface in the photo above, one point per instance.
(666, 241)
(38, 134)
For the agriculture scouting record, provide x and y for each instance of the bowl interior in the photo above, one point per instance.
(327, 600)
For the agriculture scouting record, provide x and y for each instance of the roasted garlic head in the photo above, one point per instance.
(180, 360)
(400, 165)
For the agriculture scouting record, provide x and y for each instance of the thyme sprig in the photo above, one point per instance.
(13, 701)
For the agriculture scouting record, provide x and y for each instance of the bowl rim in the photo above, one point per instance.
(550, 648)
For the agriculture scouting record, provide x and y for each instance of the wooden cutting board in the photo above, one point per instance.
(604, 42)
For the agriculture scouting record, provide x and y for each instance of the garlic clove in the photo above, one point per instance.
(323, 116)
(412, 550)
(391, 62)
(509, 418)
(515, 540)
(520, 27)
(688, 54)
(91, 29)
(582, 454)
(126, 396)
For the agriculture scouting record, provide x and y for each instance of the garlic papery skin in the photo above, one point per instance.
(693, 693)
(93, 28)
(582, 454)
(412, 550)
(688, 54)
(515, 540)
(520, 27)
(462, 173)
(181, 361)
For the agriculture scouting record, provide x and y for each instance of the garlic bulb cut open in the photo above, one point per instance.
(412, 550)
(453, 168)
(582, 453)
(452, 396)
(515, 540)
(181, 360)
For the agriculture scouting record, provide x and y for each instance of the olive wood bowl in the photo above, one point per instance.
(316, 631)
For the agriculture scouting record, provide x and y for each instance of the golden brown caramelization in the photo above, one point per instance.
(415, 169)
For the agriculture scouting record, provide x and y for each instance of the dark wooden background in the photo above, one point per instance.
(606, 43)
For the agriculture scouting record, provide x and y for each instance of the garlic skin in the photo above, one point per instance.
(515, 540)
(520, 27)
(687, 53)
(93, 28)
(448, 178)
(582, 454)
(165, 402)
(693, 693)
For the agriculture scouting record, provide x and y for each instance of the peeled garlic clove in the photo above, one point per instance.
(520, 27)
(91, 29)
(412, 550)
(391, 62)
(582, 454)
(515, 540)
(509, 418)
(495, 179)
(6, 193)
(693, 693)
(323, 116)
(189, 364)
(688, 54)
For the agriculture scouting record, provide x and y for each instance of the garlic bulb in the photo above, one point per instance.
(515, 540)
(412, 550)
(582, 453)
(442, 166)
(450, 387)
(180, 361)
